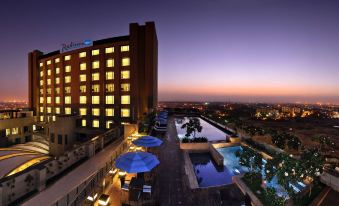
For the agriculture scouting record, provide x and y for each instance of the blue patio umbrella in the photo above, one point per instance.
(147, 141)
(135, 162)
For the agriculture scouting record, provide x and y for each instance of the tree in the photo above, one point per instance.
(251, 159)
(192, 126)
(293, 142)
(325, 142)
(278, 140)
(312, 163)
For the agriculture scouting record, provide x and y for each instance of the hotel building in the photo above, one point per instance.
(105, 82)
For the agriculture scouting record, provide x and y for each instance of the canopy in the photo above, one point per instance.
(147, 141)
(135, 162)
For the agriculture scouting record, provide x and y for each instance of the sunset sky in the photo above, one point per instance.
(209, 50)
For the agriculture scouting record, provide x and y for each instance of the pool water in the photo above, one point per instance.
(212, 133)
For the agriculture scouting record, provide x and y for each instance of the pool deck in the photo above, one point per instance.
(172, 186)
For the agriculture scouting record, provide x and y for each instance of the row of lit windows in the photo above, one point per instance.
(125, 87)
(109, 99)
(96, 123)
(83, 66)
(83, 77)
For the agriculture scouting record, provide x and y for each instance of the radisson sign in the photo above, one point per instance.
(75, 45)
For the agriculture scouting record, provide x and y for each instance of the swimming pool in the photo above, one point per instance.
(212, 133)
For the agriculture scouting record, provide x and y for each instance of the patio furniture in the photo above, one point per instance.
(126, 185)
(147, 189)
(147, 141)
(103, 200)
(136, 183)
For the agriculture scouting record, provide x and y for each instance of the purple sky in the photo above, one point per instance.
(239, 50)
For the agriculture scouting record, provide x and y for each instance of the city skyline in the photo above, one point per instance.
(208, 51)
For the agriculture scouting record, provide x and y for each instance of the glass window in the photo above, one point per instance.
(83, 123)
(83, 88)
(68, 57)
(109, 87)
(124, 48)
(125, 99)
(68, 110)
(67, 90)
(49, 72)
(125, 61)
(53, 118)
(49, 62)
(49, 91)
(68, 99)
(125, 112)
(49, 81)
(41, 118)
(49, 110)
(57, 100)
(83, 99)
(109, 75)
(83, 66)
(109, 50)
(95, 52)
(82, 54)
(57, 110)
(41, 91)
(57, 60)
(41, 64)
(125, 87)
(109, 112)
(95, 111)
(57, 80)
(83, 111)
(57, 90)
(41, 109)
(95, 76)
(41, 82)
(57, 70)
(110, 63)
(82, 77)
(125, 74)
(49, 99)
(67, 79)
(95, 64)
(68, 68)
(41, 100)
(109, 99)
(95, 99)
(95, 88)
(108, 124)
(41, 73)
(95, 123)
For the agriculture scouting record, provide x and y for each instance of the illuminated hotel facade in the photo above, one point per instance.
(106, 82)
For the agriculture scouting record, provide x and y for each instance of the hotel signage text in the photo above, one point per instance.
(75, 45)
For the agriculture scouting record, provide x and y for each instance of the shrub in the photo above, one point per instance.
(185, 140)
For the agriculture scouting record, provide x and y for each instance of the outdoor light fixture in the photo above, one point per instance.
(122, 174)
(92, 199)
(103, 200)
(113, 171)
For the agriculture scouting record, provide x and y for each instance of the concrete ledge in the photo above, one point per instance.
(218, 158)
(192, 180)
(245, 190)
(195, 146)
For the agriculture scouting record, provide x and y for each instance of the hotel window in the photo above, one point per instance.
(49, 100)
(95, 123)
(68, 68)
(41, 64)
(68, 100)
(95, 88)
(49, 91)
(83, 88)
(48, 81)
(125, 99)
(108, 124)
(125, 112)
(96, 112)
(68, 57)
(95, 76)
(57, 100)
(57, 80)
(57, 90)
(68, 110)
(82, 54)
(67, 79)
(49, 62)
(41, 118)
(41, 73)
(57, 60)
(57, 110)
(41, 109)
(109, 50)
(109, 87)
(57, 70)
(41, 100)
(110, 63)
(53, 118)
(124, 48)
(125, 61)
(95, 52)
(82, 77)
(95, 65)
(83, 99)
(41, 82)
(125, 87)
(83, 123)
(67, 90)
(83, 66)
(109, 75)
(83, 111)
(49, 110)
(109, 99)
(95, 99)
(125, 74)
(41, 91)
(49, 72)
(109, 112)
